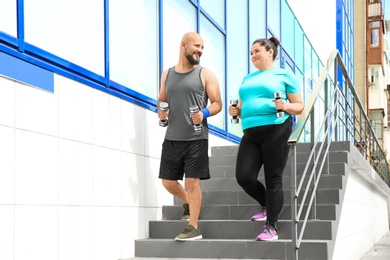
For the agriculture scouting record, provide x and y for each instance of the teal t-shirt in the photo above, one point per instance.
(257, 94)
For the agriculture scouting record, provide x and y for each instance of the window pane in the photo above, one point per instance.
(8, 17)
(179, 18)
(288, 22)
(62, 29)
(274, 17)
(237, 44)
(134, 45)
(257, 16)
(213, 58)
(375, 38)
(374, 24)
(298, 45)
(215, 9)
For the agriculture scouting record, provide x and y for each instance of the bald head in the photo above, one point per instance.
(190, 36)
(191, 47)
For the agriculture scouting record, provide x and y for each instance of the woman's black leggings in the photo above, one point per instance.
(264, 145)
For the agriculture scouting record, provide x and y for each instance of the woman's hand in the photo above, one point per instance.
(234, 111)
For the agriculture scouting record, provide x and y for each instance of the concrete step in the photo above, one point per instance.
(226, 209)
(221, 169)
(326, 181)
(229, 171)
(238, 229)
(245, 212)
(300, 148)
(239, 197)
(228, 249)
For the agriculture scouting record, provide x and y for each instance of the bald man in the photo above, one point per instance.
(185, 151)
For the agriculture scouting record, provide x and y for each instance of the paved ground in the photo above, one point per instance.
(380, 251)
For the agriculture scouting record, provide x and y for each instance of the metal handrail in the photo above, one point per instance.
(333, 112)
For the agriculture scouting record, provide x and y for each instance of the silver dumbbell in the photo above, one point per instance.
(234, 103)
(278, 95)
(163, 107)
(193, 110)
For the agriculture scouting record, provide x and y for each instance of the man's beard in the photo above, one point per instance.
(191, 59)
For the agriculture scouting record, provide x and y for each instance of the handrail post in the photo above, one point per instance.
(294, 221)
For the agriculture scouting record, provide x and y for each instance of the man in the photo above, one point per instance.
(184, 150)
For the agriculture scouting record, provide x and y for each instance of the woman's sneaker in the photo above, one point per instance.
(262, 215)
(269, 234)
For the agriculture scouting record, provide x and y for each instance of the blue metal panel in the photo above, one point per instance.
(8, 39)
(25, 72)
(20, 6)
(106, 43)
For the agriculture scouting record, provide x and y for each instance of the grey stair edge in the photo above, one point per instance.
(242, 220)
(236, 240)
(170, 258)
(239, 229)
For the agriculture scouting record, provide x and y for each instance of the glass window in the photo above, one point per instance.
(345, 34)
(258, 24)
(8, 18)
(315, 66)
(374, 24)
(298, 37)
(377, 125)
(273, 17)
(288, 22)
(216, 9)
(308, 67)
(237, 44)
(134, 45)
(374, 78)
(61, 28)
(374, 38)
(213, 58)
(179, 17)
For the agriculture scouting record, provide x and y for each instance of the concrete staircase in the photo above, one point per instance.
(225, 222)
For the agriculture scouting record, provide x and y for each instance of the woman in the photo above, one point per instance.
(266, 131)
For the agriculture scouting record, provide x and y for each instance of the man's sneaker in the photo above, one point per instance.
(262, 215)
(186, 213)
(189, 233)
(269, 234)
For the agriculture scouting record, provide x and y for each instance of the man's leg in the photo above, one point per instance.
(176, 189)
(194, 199)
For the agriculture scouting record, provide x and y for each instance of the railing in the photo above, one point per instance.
(332, 113)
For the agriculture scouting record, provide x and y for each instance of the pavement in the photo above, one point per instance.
(381, 249)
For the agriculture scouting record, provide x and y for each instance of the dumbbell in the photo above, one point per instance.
(278, 95)
(234, 103)
(163, 107)
(194, 110)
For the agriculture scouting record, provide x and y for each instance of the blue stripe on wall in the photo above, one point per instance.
(25, 72)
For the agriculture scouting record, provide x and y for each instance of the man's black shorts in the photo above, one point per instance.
(189, 158)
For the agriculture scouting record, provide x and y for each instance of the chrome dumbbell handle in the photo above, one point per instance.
(234, 103)
(278, 95)
(163, 107)
(193, 110)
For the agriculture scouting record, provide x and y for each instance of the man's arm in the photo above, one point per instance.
(211, 85)
(162, 115)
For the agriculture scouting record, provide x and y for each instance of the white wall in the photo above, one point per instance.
(78, 172)
(365, 211)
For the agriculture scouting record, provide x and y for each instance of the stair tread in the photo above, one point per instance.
(228, 231)
(238, 240)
